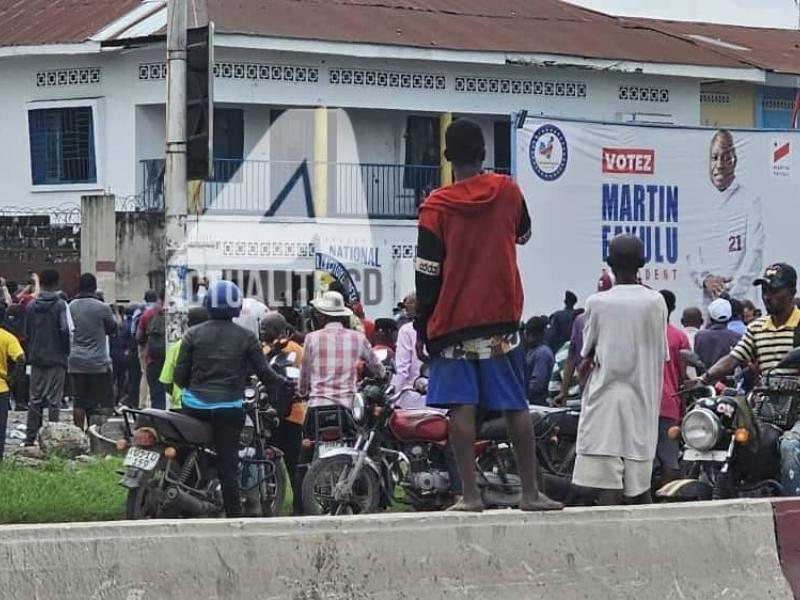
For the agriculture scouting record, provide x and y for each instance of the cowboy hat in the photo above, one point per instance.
(332, 305)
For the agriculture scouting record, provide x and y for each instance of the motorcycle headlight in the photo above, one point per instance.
(359, 408)
(701, 429)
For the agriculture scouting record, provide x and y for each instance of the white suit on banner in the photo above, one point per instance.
(734, 245)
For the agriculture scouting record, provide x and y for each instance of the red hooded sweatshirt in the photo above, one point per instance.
(468, 284)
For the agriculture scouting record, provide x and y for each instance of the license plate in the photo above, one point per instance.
(690, 454)
(141, 459)
(325, 448)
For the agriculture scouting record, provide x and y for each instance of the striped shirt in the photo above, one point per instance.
(330, 365)
(765, 345)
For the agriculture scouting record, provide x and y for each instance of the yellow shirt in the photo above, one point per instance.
(298, 414)
(9, 350)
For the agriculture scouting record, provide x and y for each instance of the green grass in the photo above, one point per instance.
(61, 492)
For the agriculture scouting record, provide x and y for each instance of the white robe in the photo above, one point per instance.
(626, 329)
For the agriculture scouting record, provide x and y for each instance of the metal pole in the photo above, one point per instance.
(176, 187)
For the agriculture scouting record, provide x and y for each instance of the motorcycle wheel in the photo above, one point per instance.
(138, 505)
(320, 482)
(272, 501)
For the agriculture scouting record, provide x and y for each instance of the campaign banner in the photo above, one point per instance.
(325, 264)
(712, 206)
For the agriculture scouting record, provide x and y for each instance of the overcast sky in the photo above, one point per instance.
(759, 13)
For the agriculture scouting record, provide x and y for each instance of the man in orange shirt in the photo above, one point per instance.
(276, 337)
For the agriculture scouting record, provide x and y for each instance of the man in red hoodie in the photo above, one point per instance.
(469, 306)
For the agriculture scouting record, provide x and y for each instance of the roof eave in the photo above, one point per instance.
(365, 50)
(50, 49)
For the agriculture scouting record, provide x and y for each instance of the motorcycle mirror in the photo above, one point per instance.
(790, 361)
(693, 360)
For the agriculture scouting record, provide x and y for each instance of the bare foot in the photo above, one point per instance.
(541, 503)
(463, 506)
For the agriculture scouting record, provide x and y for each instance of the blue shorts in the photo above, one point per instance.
(491, 383)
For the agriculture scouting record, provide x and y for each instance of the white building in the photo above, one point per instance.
(323, 104)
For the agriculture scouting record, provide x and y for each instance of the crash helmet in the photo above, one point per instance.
(223, 300)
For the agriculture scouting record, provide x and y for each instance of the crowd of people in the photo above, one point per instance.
(620, 356)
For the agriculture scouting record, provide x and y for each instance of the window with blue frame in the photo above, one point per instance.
(62, 145)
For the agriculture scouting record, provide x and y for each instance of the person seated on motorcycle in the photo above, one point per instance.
(214, 362)
(767, 340)
(331, 357)
(407, 364)
(276, 338)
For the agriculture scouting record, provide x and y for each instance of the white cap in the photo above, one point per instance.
(253, 311)
(720, 310)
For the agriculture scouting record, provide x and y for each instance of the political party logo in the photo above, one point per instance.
(781, 158)
(629, 161)
(548, 152)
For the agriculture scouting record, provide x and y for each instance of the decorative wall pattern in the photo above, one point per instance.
(390, 79)
(77, 76)
(528, 87)
(635, 93)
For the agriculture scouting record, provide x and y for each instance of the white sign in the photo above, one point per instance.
(706, 203)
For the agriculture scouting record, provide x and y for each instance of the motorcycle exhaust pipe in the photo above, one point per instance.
(187, 503)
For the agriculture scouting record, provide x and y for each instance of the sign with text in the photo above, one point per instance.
(707, 204)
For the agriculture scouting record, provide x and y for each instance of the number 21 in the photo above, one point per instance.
(734, 243)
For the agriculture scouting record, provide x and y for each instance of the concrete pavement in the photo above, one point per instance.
(692, 551)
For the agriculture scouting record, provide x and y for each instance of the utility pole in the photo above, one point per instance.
(175, 246)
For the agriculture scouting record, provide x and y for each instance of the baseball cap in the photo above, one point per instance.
(778, 275)
(720, 310)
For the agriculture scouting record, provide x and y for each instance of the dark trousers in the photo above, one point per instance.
(21, 391)
(5, 399)
(46, 392)
(134, 379)
(288, 437)
(120, 367)
(227, 424)
(158, 395)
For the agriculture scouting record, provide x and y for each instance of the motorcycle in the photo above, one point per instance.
(406, 448)
(556, 432)
(334, 427)
(170, 465)
(732, 443)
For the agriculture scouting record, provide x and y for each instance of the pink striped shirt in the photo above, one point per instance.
(330, 365)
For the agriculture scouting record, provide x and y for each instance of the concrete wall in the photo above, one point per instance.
(667, 552)
(140, 254)
(35, 243)
(98, 248)
(725, 104)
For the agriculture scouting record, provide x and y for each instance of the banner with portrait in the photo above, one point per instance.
(713, 207)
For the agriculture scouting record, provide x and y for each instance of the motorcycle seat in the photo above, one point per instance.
(176, 426)
(495, 429)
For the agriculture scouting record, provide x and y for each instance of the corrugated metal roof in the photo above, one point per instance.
(522, 26)
(32, 22)
(776, 50)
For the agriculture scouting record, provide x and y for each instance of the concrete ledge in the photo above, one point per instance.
(691, 551)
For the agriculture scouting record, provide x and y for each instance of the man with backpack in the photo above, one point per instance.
(48, 340)
(89, 360)
(151, 333)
